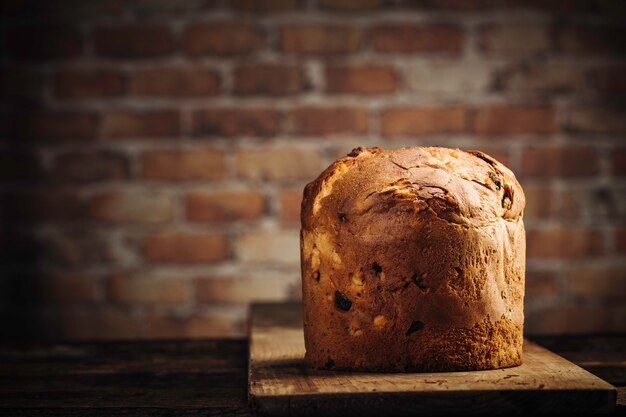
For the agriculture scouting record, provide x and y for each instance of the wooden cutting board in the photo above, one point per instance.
(279, 383)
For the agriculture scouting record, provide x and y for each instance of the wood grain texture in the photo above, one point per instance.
(183, 378)
(281, 384)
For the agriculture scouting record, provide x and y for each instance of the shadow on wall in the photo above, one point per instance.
(20, 252)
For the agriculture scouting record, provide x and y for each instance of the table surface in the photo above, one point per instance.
(191, 377)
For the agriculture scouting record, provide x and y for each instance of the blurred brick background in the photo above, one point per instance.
(153, 153)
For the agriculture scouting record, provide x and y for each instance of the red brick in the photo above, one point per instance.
(266, 6)
(57, 126)
(328, 120)
(175, 82)
(544, 78)
(222, 38)
(604, 202)
(72, 249)
(98, 323)
(224, 206)
(55, 205)
(165, 7)
(296, 291)
(197, 164)
(514, 39)
(505, 120)
(351, 5)
(20, 166)
(43, 42)
(540, 283)
(236, 122)
(268, 79)
(269, 247)
(84, 167)
(68, 288)
(88, 83)
(185, 248)
(570, 319)
(540, 201)
(448, 76)
(564, 243)
(363, 79)
(133, 41)
(242, 290)
(398, 121)
(559, 162)
(620, 241)
(409, 38)
(280, 164)
(597, 120)
(610, 80)
(320, 39)
(131, 207)
(597, 282)
(213, 324)
(49, 205)
(592, 39)
(290, 201)
(142, 289)
(118, 124)
(571, 205)
(618, 162)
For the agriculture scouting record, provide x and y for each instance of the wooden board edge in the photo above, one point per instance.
(604, 385)
(291, 404)
(436, 403)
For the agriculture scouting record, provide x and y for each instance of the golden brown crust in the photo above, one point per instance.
(413, 259)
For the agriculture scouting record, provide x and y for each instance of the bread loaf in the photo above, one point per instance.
(413, 260)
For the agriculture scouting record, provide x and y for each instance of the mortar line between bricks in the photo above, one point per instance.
(405, 99)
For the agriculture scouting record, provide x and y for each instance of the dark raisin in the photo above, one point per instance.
(356, 151)
(460, 273)
(330, 363)
(495, 180)
(418, 280)
(377, 268)
(342, 217)
(482, 156)
(316, 275)
(342, 302)
(415, 326)
(507, 199)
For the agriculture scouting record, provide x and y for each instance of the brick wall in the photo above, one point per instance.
(153, 153)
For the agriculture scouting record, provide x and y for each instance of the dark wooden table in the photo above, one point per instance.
(200, 377)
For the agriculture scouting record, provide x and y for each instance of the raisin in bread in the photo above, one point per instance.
(413, 260)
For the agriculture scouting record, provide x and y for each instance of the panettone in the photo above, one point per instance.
(413, 260)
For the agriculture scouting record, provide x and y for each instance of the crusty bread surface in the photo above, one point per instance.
(413, 260)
